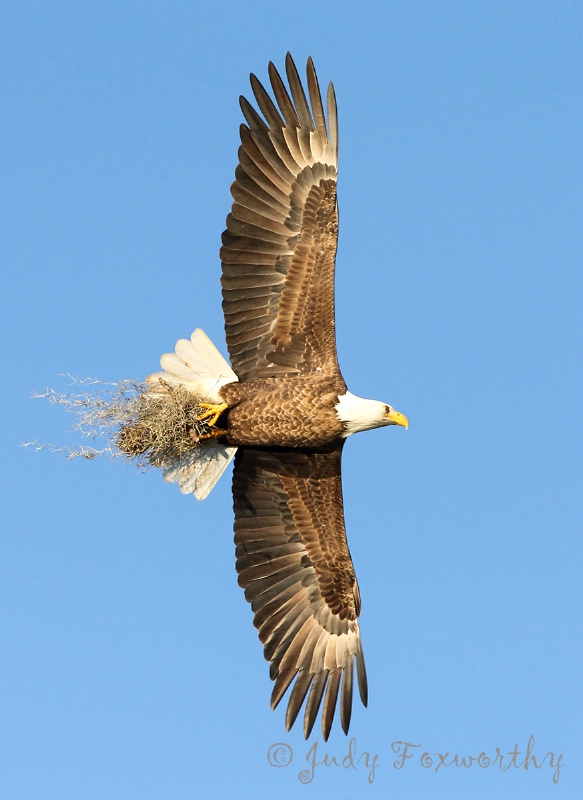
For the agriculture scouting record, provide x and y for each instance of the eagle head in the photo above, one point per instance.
(358, 414)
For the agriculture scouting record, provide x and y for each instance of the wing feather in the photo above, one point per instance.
(297, 696)
(346, 697)
(330, 698)
(298, 94)
(282, 97)
(266, 104)
(294, 564)
(282, 232)
(315, 98)
(314, 700)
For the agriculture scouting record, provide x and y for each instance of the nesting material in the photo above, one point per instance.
(153, 426)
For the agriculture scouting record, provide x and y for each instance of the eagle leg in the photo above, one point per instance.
(211, 434)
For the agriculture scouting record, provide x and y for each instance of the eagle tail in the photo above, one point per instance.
(199, 367)
(198, 472)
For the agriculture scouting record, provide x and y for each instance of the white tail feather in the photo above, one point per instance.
(197, 365)
(198, 472)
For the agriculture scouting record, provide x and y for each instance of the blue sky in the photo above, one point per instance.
(130, 667)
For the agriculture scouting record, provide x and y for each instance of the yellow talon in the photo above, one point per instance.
(211, 415)
(212, 434)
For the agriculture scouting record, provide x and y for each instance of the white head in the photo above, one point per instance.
(358, 414)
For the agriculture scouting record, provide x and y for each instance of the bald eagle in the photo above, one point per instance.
(282, 408)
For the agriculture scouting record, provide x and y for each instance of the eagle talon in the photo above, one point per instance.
(211, 434)
(211, 415)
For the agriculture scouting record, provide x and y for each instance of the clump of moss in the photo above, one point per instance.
(152, 426)
(164, 425)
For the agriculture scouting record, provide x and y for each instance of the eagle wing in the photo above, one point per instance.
(294, 564)
(279, 247)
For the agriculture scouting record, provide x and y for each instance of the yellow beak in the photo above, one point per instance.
(395, 418)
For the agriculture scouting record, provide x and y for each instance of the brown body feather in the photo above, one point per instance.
(285, 412)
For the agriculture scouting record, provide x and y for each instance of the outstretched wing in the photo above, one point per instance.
(294, 564)
(279, 248)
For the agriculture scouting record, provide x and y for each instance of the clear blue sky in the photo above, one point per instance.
(130, 667)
